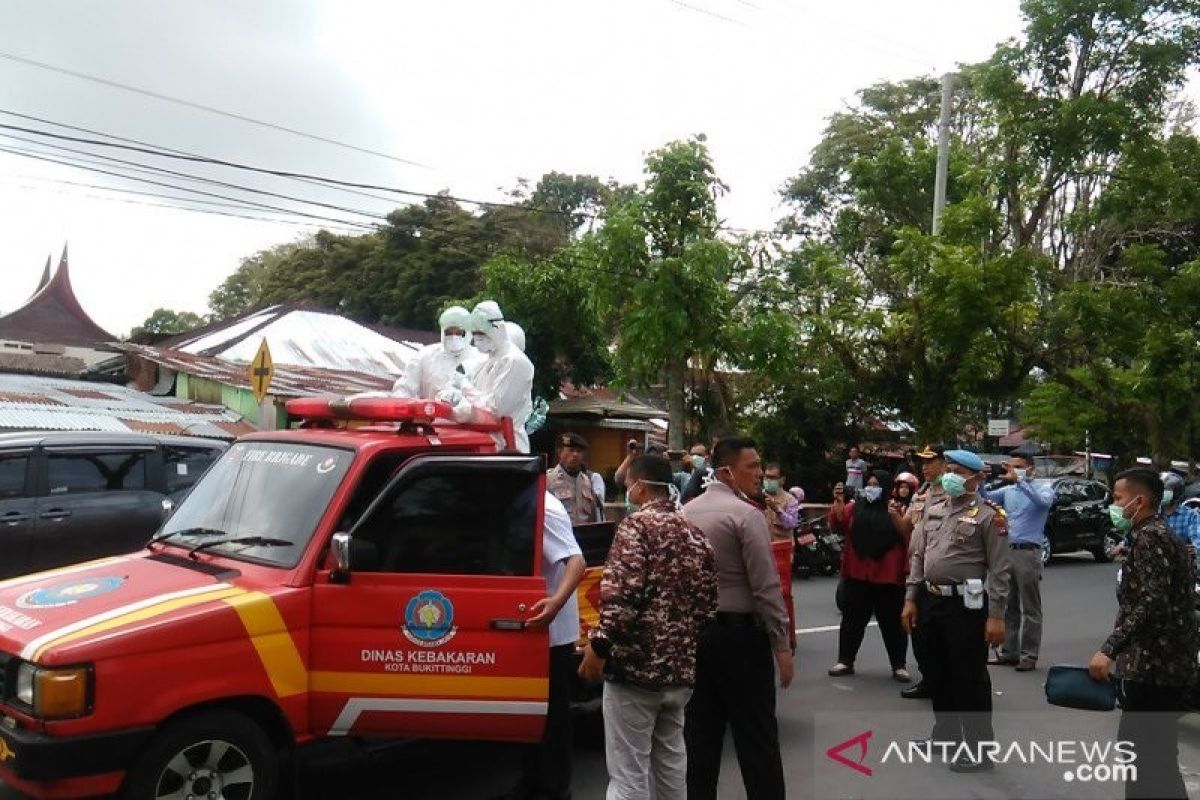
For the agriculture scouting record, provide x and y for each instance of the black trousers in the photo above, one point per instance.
(1150, 720)
(546, 765)
(955, 668)
(735, 686)
(862, 600)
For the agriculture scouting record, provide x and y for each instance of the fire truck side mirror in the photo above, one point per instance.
(340, 550)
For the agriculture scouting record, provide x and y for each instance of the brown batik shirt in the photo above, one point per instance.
(1155, 637)
(658, 590)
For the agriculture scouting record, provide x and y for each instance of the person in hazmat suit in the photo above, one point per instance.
(444, 365)
(502, 385)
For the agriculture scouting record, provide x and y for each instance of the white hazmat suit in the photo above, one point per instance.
(444, 365)
(503, 384)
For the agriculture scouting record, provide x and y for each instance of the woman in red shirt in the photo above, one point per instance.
(874, 566)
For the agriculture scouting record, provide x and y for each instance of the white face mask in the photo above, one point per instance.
(1022, 474)
(454, 343)
(483, 344)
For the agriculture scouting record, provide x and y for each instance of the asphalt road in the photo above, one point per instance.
(815, 714)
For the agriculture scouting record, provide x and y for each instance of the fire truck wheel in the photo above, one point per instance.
(209, 755)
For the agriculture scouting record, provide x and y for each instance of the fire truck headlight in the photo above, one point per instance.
(55, 692)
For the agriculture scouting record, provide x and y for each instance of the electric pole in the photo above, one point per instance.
(943, 153)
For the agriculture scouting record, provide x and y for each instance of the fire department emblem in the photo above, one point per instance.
(69, 593)
(429, 619)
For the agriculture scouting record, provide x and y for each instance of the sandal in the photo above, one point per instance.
(839, 670)
(901, 675)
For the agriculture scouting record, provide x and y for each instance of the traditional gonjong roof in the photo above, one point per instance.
(54, 315)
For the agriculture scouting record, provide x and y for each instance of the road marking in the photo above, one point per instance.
(829, 628)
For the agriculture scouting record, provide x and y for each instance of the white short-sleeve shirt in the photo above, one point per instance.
(558, 545)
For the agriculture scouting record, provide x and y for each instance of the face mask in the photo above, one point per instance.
(1122, 523)
(1168, 496)
(770, 486)
(872, 493)
(698, 462)
(954, 485)
(483, 344)
(454, 343)
(1022, 474)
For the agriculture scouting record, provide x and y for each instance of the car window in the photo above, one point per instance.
(453, 521)
(1096, 491)
(71, 473)
(184, 465)
(12, 475)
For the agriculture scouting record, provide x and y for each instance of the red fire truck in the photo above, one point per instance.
(365, 578)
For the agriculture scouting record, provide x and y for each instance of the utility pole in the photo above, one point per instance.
(943, 154)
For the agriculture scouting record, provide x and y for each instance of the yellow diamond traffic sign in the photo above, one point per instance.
(262, 370)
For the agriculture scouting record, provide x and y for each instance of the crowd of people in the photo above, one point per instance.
(696, 632)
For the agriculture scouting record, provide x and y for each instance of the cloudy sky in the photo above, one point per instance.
(465, 95)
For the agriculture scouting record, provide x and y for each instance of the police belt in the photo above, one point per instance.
(945, 589)
(738, 619)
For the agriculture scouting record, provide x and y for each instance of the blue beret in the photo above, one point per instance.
(965, 458)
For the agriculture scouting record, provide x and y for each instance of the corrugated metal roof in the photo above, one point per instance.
(304, 338)
(35, 403)
(289, 381)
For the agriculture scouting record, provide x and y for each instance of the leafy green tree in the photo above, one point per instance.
(564, 337)
(164, 322)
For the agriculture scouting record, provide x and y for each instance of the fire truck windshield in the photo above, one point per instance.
(260, 492)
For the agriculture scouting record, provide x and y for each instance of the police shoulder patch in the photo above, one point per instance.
(1000, 519)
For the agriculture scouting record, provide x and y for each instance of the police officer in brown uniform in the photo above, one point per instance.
(933, 464)
(572, 484)
(956, 595)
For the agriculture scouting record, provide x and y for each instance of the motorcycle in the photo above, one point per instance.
(818, 549)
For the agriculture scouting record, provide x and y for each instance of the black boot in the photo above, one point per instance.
(918, 691)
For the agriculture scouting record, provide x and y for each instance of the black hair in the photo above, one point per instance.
(770, 465)
(729, 448)
(653, 469)
(1145, 480)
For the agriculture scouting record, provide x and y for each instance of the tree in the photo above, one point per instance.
(565, 339)
(1045, 135)
(164, 322)
(664, 284)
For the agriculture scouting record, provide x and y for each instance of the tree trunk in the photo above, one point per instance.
(676, 373)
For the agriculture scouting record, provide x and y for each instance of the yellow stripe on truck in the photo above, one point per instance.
(360, 683)
(140, 615)
(276, 648)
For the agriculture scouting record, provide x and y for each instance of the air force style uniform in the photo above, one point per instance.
(958, 578)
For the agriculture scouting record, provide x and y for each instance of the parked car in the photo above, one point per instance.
(71, 497)
(1079, 518)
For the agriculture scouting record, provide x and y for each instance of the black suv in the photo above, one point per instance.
(1079, 517)
(71, 497)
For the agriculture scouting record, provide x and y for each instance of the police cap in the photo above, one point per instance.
(965, 458)
(572, 440)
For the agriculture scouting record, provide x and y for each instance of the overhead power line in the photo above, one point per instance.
(177, 187)
(201, 107)
(126, 139)
(172, 207)
(140, 167)
(162, 153)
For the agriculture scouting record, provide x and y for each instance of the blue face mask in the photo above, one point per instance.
(1168, 496)
(698, 462)
(872, 493)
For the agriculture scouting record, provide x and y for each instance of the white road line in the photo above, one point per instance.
(829, 628)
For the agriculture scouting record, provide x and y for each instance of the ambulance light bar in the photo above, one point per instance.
(413, 411)
(373, 409)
